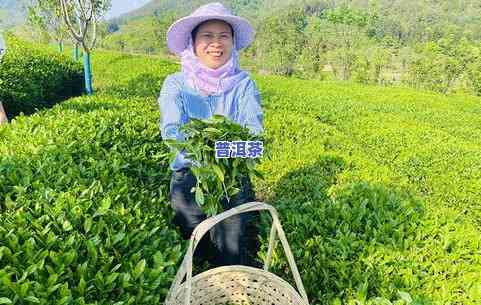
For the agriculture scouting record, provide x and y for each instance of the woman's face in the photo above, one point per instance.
(213, 43)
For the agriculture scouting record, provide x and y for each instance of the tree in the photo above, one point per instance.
(279, 39)
(161, 23)
(343, 31)
(438, 66)
(83, 29)
(47, 16)
(312, 58)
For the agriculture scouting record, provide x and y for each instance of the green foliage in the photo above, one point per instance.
(312, 59)
(474, 76)
(47, 17)
(473, 70)
(345, 40)
(124, 75)
(33, 77)
(352, 162)
(184, 7)
(343, 30)
(138, 36)
(377, 188)
(161, 24)
(419, 21)
(371, 64)
(216, 178)
(346, 16)
(438, 65)
(278, 41)
(84, 213)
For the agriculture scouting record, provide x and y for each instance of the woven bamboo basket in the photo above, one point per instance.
(237, 284)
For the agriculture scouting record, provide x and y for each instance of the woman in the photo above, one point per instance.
(210, 82)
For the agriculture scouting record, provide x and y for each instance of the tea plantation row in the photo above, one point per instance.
(33, 78)
(377, 189)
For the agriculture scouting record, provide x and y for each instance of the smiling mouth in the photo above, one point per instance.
(216, 53)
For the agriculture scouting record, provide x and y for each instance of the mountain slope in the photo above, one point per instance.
(251, 9)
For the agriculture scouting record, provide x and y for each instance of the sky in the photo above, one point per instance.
(120, 7)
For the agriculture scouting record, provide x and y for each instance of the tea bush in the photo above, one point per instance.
(377, 188)
(33, 77)
(125, 75)
(84, 214)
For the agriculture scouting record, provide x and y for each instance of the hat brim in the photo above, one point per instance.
(179, 32)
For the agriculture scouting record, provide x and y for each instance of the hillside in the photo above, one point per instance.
(250, 9)
(432, 45)
(153, 19)
(378, 190)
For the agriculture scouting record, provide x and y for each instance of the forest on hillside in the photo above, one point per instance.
(425, 44)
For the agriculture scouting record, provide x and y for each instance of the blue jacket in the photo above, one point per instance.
(179, 102)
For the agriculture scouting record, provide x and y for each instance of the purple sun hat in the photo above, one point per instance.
(179, 32)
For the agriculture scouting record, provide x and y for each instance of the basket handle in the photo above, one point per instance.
(185, 269)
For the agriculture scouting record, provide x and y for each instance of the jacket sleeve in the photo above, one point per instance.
(250, 113)
(172, 116)
(172, 113)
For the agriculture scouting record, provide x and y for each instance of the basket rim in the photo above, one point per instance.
(247, 269)
(185, 270)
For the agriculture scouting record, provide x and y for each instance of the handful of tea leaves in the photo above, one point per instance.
(216, 177)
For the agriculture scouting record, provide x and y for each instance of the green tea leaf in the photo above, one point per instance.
(81, 286)
(32, 299)
(118, 237)
(106, 203)
(139, 269)
(87, 224)
(234, 191)
(212, 130)
(218, 172)
(111, 278)
(406, 297)
(67, 226)
(199, 196)
(4, 300)
(258, 174)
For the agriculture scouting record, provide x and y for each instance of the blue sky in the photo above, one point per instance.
(123, 6)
